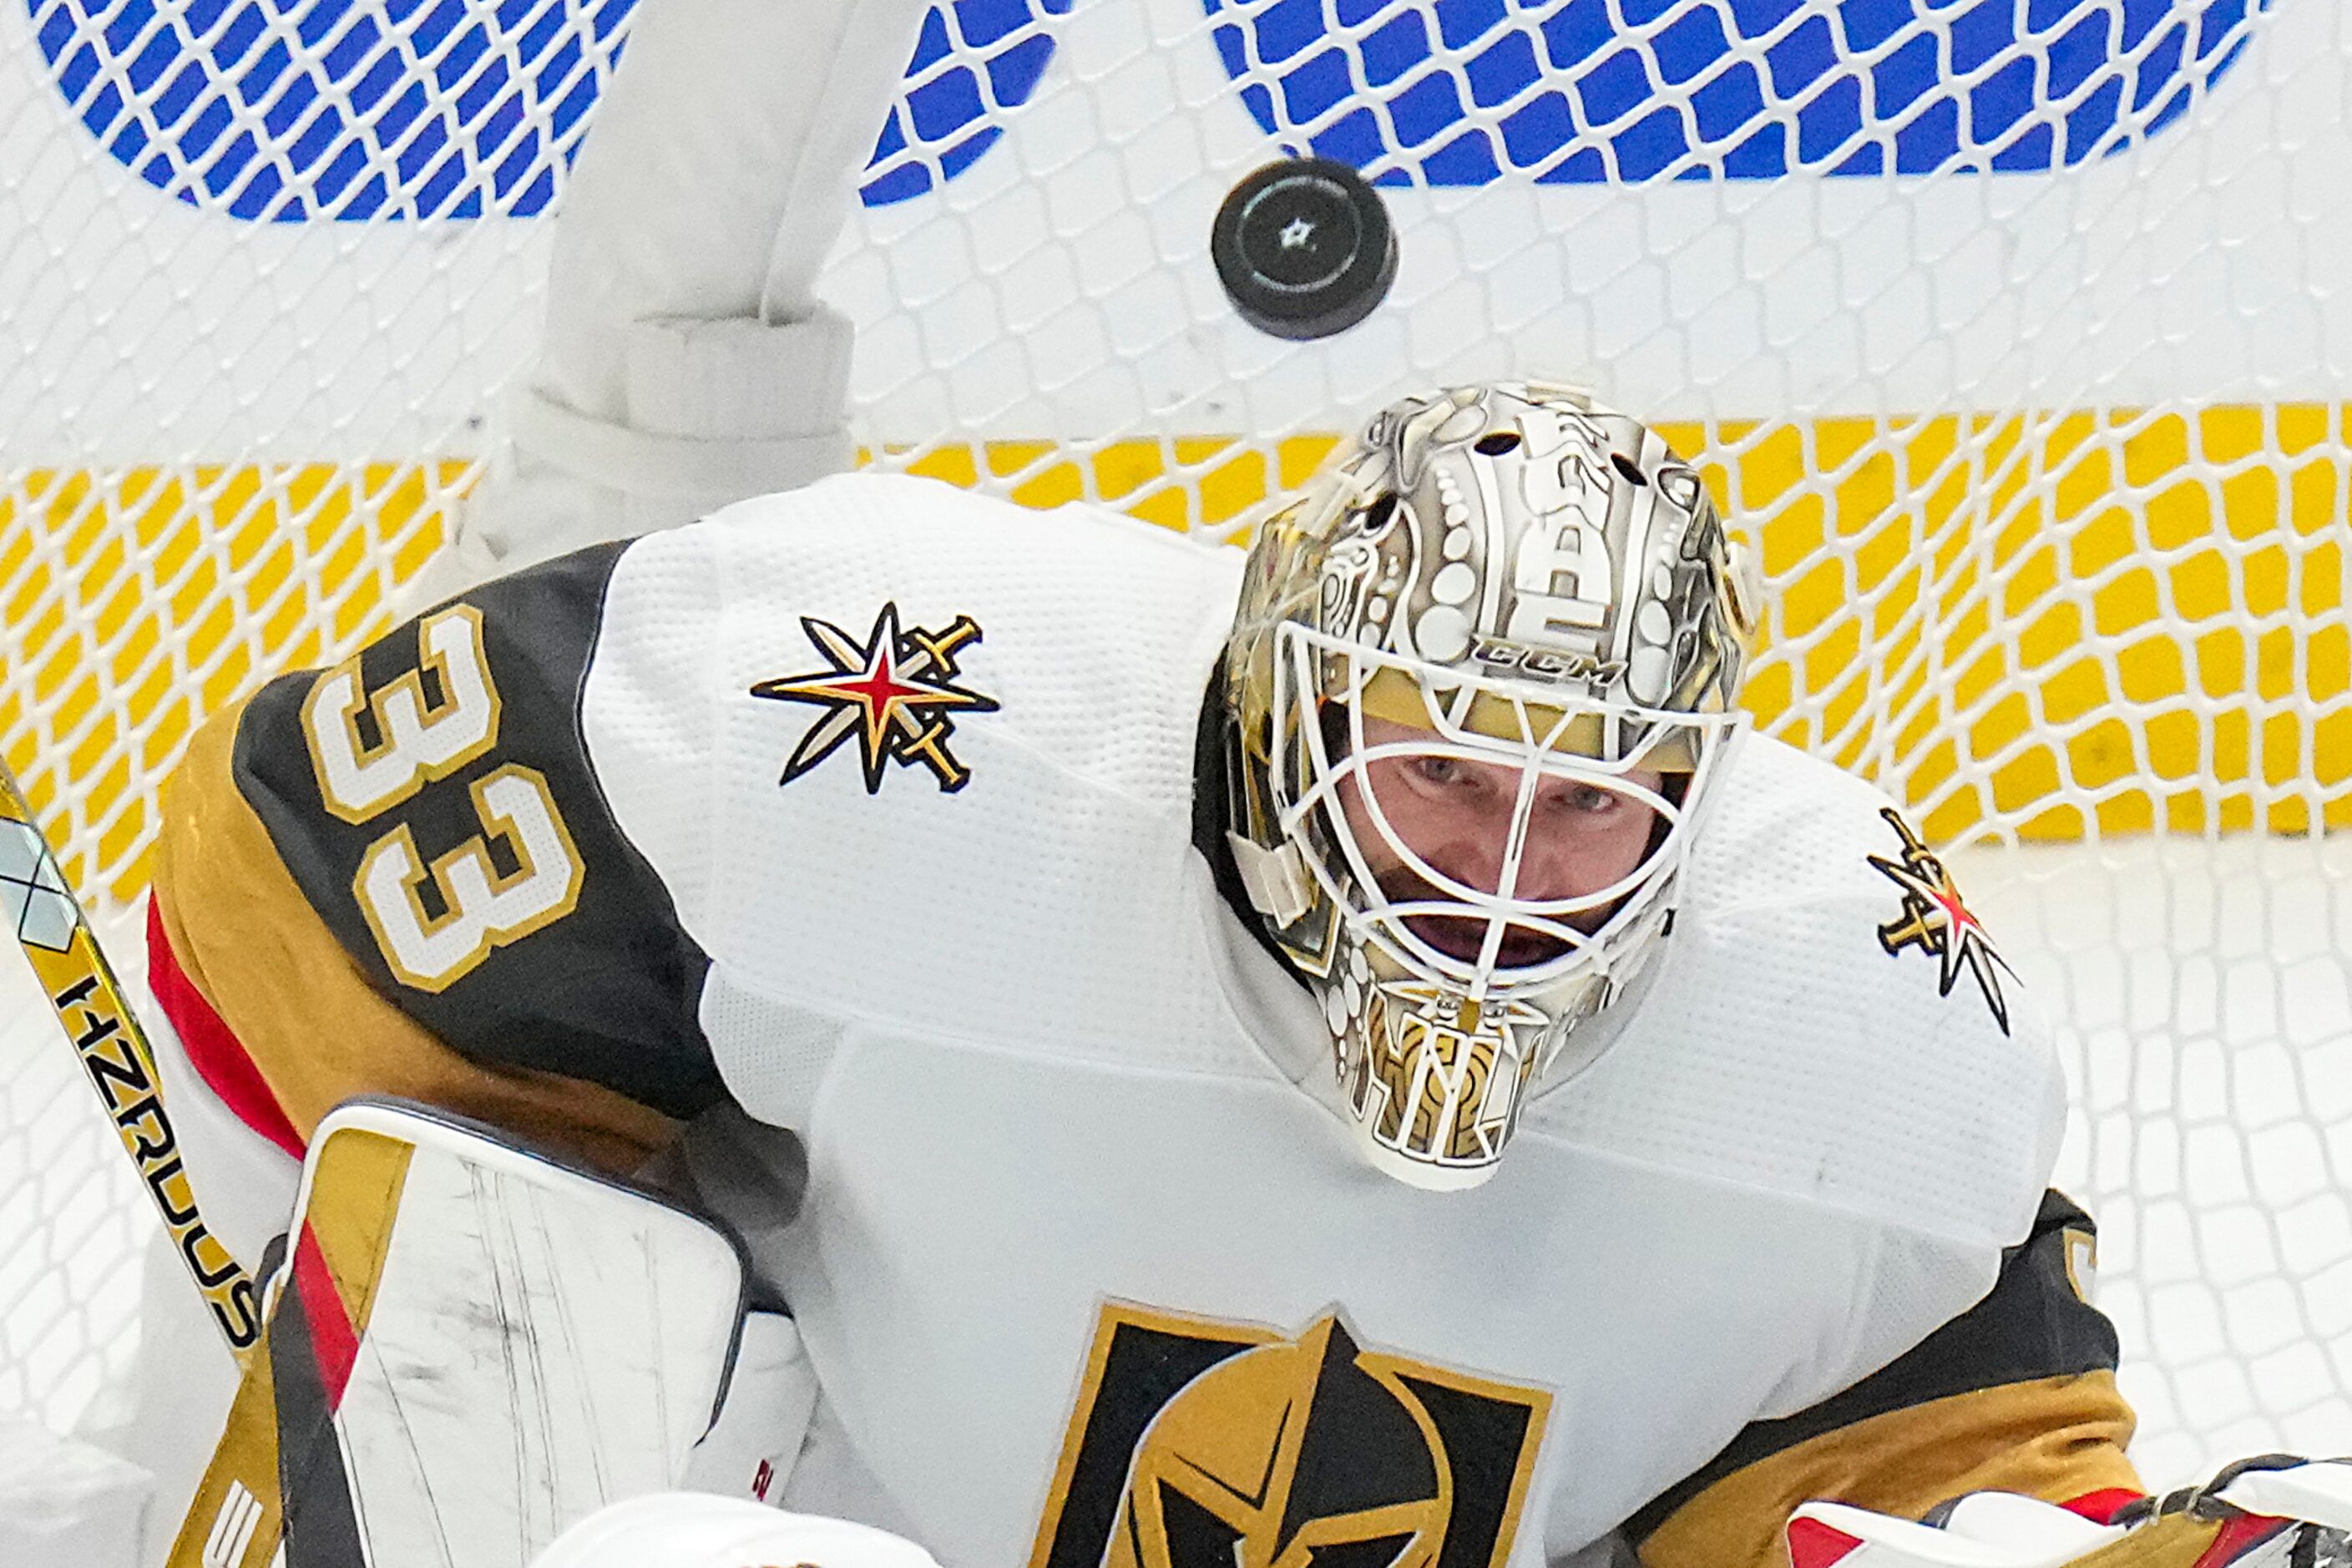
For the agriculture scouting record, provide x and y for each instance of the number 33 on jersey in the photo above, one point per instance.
(374, 750)
(432, 804)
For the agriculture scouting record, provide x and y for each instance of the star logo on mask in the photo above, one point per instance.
(894, 691)
(1934, 920)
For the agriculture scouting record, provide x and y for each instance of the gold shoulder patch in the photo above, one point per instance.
(1196, 1444)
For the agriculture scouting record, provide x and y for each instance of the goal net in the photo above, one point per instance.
(2012, 329)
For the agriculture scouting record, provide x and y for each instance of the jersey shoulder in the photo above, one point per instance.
(430, 802)
(1092, 628)
(1787, 827)
(1828, 1021)
(1799, 842)
(919, 757)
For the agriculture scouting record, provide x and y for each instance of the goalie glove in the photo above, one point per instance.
(2275, 1511)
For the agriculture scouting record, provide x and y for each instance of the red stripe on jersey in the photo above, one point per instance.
(2099, 1507)
(332, 1339)
(1813, 1544)
(2240, 1536)
(218, 1056)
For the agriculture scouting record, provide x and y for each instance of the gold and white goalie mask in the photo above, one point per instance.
(1479, 687)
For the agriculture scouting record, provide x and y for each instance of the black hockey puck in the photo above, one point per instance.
(1304, 248)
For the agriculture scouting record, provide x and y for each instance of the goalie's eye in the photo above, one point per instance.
(1588, 800)
(1439, 772)
(1455, 782)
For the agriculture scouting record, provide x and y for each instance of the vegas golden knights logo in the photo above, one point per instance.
(895, 692)
(1934, 920)
(1205, 1445)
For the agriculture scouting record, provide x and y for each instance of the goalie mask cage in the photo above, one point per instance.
(2013, 330)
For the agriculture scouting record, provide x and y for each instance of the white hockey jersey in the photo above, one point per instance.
(1087, 1270)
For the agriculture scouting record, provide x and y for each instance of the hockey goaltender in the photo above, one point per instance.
(1082, 1047)
(1347, 1055)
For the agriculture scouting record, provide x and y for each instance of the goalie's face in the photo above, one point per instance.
(1437, 827)
(1482, 675)
(1491, 876)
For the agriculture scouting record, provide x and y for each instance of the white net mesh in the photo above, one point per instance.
(2011, 328)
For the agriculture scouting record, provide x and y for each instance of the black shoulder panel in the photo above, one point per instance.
(2034, 1323)
(584, 971)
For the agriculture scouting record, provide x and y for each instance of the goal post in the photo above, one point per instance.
(2015, 331)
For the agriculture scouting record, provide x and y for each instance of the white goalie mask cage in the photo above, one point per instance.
(1479, 691)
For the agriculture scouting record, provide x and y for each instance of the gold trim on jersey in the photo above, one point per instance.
(1199, 1444)
(2052, 1437)
(314, 1028)
(2082, 1261)
(482, 908)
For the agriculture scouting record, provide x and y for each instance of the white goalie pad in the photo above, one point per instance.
(750, 1448)
(1989, 1530)
(470, 1348)
(2318, 1493)
(689, 1530)
(2270, 1513)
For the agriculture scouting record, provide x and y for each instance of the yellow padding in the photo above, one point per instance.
(2127, 619)
(138, 600)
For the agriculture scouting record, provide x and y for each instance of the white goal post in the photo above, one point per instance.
(2016, 331)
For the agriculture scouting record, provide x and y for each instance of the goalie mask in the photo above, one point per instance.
(1478, 689)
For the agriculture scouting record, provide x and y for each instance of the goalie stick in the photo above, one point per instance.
(55, 934)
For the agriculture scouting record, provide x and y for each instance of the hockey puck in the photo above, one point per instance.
(1304, 248)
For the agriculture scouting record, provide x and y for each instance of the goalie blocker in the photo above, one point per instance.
(471, 1347)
